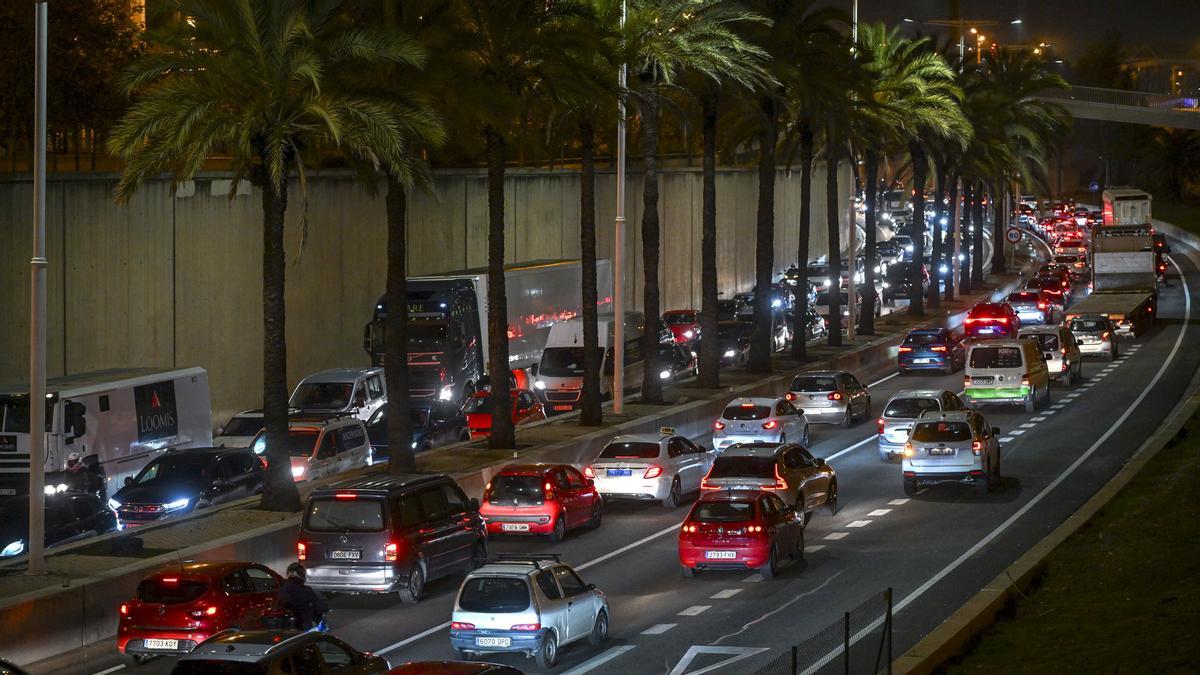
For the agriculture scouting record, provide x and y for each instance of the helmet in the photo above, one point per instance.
(296, 570)
(73, 459)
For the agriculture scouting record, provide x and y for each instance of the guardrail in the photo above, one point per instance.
(1125, 97)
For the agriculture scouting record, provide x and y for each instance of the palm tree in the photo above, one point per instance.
(249, 80)
(662, 39)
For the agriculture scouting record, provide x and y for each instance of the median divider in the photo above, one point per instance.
(78, 620)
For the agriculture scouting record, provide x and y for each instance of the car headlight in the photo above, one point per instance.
(945, 221)
(886, 285)
(908, 247)
(962, 256)
(15, 548)
(943, 269)
(689, 334)
(729, 353)
(664, 375)
(776, 303)
(825, 282)
(446, 393)
(886, 217)
(538, 384)
(175, 505)
(114, 504)
(414, 447)
(297, 471)
(55, 489)
(260, 446)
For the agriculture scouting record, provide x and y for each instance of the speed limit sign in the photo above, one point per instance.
(1013, 235)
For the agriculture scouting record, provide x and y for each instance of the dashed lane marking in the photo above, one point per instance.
(658, 629)
(695, 610)
(1006, 439)
(106, 671)
(1028, 425)
(1017, 432)
(725, 594)
(898, 502)
(1039, 418)
(880, 512)
(812, 549)
(858, 523)
(834, 536)
(753, 579)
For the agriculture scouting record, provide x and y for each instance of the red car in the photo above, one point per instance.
(544, 499)
(478, 409)
(180, 607)
(992, 320)
(684, 324)
(740, 529)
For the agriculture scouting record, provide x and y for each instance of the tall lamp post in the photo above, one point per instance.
(37, 310)
(852, 244)
(618, 279)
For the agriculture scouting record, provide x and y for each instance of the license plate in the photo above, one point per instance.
(514, 527)
(620, 472)
(922, 360)
(152, 643)
(941, 451)
(562, 407)
(345, 555)
(493, 642)
(720, 555)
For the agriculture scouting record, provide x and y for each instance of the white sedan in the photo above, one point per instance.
(650, 467)
(760, 420)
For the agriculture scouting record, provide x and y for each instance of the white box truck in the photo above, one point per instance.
(1124, 278)
(1126, 206)
(115, 420)
(559, 380)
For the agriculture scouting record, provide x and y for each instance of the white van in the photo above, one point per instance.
(1006, 371)
(560, 373)
(351, 391)
(116, 420)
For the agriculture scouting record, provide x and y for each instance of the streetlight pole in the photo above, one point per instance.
(618, 279)
(852, 291)
(37, 310)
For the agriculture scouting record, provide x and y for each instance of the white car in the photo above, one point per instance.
(322, 446)
(760, 420)
(650, 467)
(526, 604)
(240, 430)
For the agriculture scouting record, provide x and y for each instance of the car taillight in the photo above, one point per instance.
(201, 613)
(966, 380)
(1041, 305)
(770, 424)
(125, 609)
(301, 551)
(718, 425)
(1064, 365)
(938, 348)
(705, 486)
(1024, 380)
(977, 448)
(879, 424)
(391, 552)
(780, 483)
(754, 529)
(908, 449)
(789, 396)
(690, 529)
(1104, 335)
(461, 625)
(835, 396)
(906, 349)
(1002, 319)
(653, 472)
(588, 472)
(527, 626)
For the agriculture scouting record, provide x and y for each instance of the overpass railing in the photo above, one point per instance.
(1125, 97)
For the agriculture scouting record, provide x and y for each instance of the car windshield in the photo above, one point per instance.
(419, 332)
(995, 357)
(1088, 325)
(630, 451)
(175, 467)
(812, 384)
(823, 298)
(322, 395)
(300, 442)
(513, 487)
(923, 339)
(1048, 342)
(494, 595)
(733, 466)
(171, 590)
(478, 404)
(747, 411)
(941, 432)
(349, 513)
(910, 407)
(723, 512)
(564, 361)
(1066, 259)
(243, 426)
(14, 414)
(679, 319)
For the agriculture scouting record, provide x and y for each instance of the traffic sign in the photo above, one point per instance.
(1013, 235)
(1094, 186)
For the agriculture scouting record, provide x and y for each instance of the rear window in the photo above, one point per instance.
(218, 667)
(494, 595)
(737, 467)
(1088, 325)
(327, 514)
(723, 512)
(922, 339)
(1047, 342)
(1066, 259)
(813, 384)
(171, 590)
(1023, 297)
(941, 432)
(747, 412)
(995, 357)
(910, 407)
(243, 426)
(630, 451)
(512, 487)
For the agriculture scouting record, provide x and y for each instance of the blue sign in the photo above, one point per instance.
(1094, 186)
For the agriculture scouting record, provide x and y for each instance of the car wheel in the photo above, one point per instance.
(805, 440)
(138, 659)
(597, 509)
(885, 456)
(686, 572)
(806, 517)
(547, 655)
(672, 499)
(560, 528)
(798, 555)
(768, 570)
(831, 499)
(411, 594)
(983, 484)
(1046, 398)
(478, 556)
(996, 469)
(910, 486)
(848, 420)
(1031, 401)
(464, 436)
(600, 630)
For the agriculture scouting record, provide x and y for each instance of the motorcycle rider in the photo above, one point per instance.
(306, 605)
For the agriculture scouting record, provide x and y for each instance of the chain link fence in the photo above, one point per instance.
(860, 643)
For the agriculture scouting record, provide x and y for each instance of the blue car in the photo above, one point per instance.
(931, 349)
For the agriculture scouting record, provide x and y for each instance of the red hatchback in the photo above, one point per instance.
(478, 409)
(179, 608)
(992, 320)
(546, 499)
(684, 324)
(740, 529)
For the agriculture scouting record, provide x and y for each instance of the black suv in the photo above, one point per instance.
(181, 481)
(389, 534)
(70, 516)
(432, 423)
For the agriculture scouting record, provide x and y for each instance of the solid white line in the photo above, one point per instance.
(658, 629)
(857, 445)
(880, 512)
(599, 660)
(106, 671)
(834, 536)
(695, 610)
(409, 640)
(725, 594)
(882, 380)
(859, 523)
(991, 536)
(898, 502)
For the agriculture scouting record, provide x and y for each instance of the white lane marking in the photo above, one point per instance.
(834, 536)
(106, 671)
(1058, 406)
(1039, 418)
(1073, 394)
(778, 609)
(898, 502)
(725, 594)
(658, 629)
(991, 536)
(880, 512)
(599, 660)
(1006, 439)
(858, 523)
(1017, 432)
(814, 548)
(1044, 415)
(883, 379)
(734, 655)
(753, 579)
(857, 445)
(695, 610)
(1028, 425)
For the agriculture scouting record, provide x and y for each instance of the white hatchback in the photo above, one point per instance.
(650, 467)
(760, 420)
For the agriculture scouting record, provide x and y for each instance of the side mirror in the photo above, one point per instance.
(995, 431)
(820, 462)
(128, 480)
(589, 482)
(533, 370)
(474, 504)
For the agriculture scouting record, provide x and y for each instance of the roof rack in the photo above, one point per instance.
(535, 559)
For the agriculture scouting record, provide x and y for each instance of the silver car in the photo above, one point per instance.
(1061, 351)
(902, 411)
(790, 471)
(1096, 335)
(830, 396)
(649, 467)
(767, 420)
(956, 446)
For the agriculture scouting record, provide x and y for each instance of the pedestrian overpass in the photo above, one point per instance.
(1129, 107)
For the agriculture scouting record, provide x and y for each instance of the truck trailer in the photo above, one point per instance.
(1126, 206)
(1124, 278)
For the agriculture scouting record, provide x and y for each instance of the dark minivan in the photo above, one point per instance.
(389, 534)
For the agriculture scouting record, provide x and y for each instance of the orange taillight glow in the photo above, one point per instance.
(789, 396)
(835, 396)
(689, 528)
(905, 349)
(718, 425)
(770, 424)
(210, 611)
(908, 449)
(125, 609)
(391, 552)
(461, 625)
(588, 472)
(977, 447)
(301, 551)
(527, 626)
(879, 424)
(653, 472)
(939, 348)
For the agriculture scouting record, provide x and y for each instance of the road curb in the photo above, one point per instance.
(979, 613)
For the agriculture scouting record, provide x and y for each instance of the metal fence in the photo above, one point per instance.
(859, 643)
(1125, 97)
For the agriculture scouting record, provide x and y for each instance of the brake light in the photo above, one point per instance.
(1024, 380)
(718, 425)
(391, 552)
(653, 472)
(780, 483)
(588, 473)
(835, 396)
(1002, 319)
(1041, 304)
(977, 448)
(125, 609)
(754, 529)
(201, 613)
(547, 486)
(461, 625)
(301, 551)
(879, 424)
(689, 528)
(1104, 335)
(1063, 351)
(705, 486)
(908, 449)
(939, 348)
(170, 580)
(789, 396)
(527, 626)
(906, 349)
(966, 380)
(770, 424)
(345, 495)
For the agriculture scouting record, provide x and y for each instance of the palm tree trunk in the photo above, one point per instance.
(764, 248)
(651, 383)
(395, 336)
(279, 493)
(866, 324)
(800, 312)
(916, 298)
(964, 274)
(710, 352)
(832, 209)
(934, 296)
(502, 435)
(590, 414)
(949, 254)
(977, 240)
(1000, 213)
